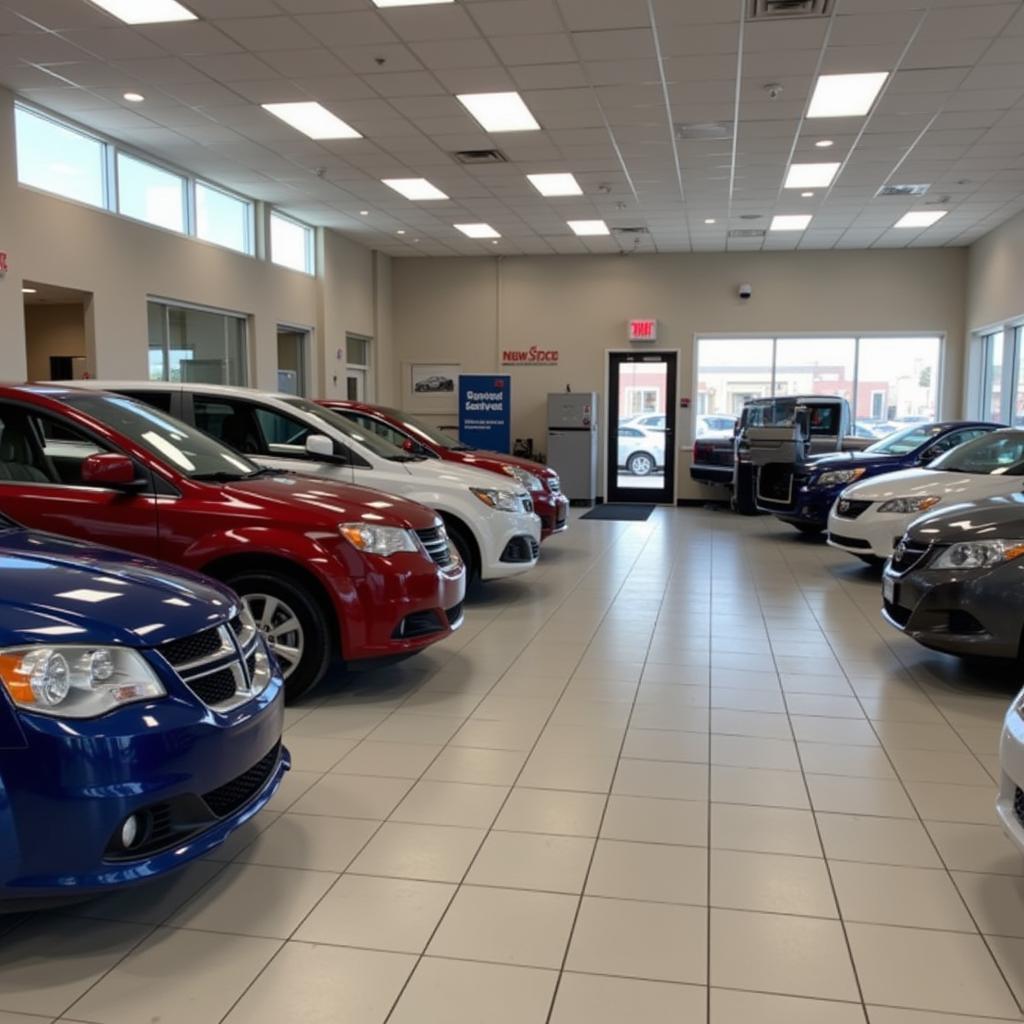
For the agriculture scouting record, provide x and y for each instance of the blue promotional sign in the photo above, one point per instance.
(485, 411)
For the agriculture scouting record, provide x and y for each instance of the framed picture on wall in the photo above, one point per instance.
(432, 387)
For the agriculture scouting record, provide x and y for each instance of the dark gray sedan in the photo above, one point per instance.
(956, 580)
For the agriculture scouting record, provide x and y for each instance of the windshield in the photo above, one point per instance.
(822, 420)
(998, 453)
(905, 440)
(435, 435)
(189, 451)
(366, 438)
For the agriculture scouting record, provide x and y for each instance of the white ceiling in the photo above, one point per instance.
(605, 78)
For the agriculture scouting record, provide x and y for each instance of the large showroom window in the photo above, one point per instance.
(291, 244)
(56, 158)
(147, 192)
(223, 218)
(188, 344)
(1002, 374)
(886, 380)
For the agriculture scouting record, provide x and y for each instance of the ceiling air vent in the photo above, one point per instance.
(704, 131)
(747, 233)
(903, 190)
(631, 231)
(480, 156)
(789, 8)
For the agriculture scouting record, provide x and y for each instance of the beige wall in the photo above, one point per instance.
(63, 243)
(53, 330)
(465, 310)
(995, 280)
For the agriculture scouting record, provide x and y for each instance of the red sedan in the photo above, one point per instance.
(326, 569)
(421, 438)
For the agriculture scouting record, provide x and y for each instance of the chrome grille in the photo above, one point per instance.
(907, 556)
(435, 540)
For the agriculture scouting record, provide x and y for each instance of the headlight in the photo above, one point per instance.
(526, 478)
(503, 501)
(907, 506)
(378, 540)
(76, 681)
(978, 554)
(840, 476)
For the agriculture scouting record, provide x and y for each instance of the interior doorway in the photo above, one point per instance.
(359, 368)
(293, 360)
(641, 427)
(55, 332)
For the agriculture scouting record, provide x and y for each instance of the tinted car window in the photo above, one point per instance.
(367, 438)
(231, 422)
(998, 453)
(158, 399)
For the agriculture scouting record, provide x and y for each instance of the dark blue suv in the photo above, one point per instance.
(140, 718)
(802, 495)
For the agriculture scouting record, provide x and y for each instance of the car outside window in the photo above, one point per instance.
(1000, 453)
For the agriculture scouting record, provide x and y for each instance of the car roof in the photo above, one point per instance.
(164, 385)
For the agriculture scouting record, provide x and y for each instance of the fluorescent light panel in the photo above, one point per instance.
(846, 95)
(790, 222)
(589, 227)
(313, 120)
(920, 218)
(410, 3)
(811, 175)
(555, 184)
(500, 111)
(414, 188)
(478, 230)
(146, 12)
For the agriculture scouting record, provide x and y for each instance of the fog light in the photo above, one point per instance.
(130, 832)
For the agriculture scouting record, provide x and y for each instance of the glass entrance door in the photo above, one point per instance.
(641, 427)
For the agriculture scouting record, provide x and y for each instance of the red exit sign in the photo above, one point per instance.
(643, 330)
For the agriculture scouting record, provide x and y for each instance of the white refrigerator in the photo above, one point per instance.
(573, 443)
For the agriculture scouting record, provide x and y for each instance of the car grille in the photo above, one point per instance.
(849, 542)
(454, 614)
(898, 614)
(418, 624)
(906, 556)
(218, 664)
(435, 540)
(1018, 804)
(775, 483)
(848, 509)
(227, 799)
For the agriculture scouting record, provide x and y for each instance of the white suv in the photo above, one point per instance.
(490, 522)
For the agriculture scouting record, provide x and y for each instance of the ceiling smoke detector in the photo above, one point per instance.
(480, 156)
(903, 190)
(704, 131)
(789, 8)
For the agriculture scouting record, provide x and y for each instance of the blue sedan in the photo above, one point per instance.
(140, 718)
(802, 495)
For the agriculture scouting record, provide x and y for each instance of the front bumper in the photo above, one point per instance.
(969, 612)
(553, 511)
(810, 505)
(1010, 801)
(66, 791)
(872, 534)
(499, 530)
(716, 476)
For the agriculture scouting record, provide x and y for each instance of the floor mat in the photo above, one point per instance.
(621, 513)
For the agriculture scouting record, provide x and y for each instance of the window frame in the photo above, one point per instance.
(310, 246)
(166, 305)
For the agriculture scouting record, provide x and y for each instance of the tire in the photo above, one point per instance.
(743, 491)
(640, 464)
(808, 529)
(466, 550)
(274, 600)
(873, 560)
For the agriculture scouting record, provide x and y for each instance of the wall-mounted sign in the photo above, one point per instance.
(643, 330)
(485, 411)
(532, 356)
(3, 263)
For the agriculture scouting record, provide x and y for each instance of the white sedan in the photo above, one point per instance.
(641, 452)
(869, 518)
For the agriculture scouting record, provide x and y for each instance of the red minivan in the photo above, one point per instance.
(327, 570)
(419, 438)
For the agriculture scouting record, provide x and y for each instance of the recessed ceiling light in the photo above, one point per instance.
(414, 188)
(806, 195)
(134, 97)
(146, 12)
(495, 242)
(846, 95)
(500, 111)
(401, 231)
(709, 220)
(790, 222)
(364, 213)
(589, 227)
(555, 184)
(811, 175)
(824, 143)
(920, 218)
(313, 120)
(29, 291)
(410, 3)
(477, 230)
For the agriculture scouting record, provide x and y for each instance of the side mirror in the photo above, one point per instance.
(109, 469)
(320, 446)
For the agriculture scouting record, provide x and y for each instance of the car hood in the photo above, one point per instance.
(920, 483)
(59, 590)
(999, 518)
(434, 473)
(855, 460)
(329, 501)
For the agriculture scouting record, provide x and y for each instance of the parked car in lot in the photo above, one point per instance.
(641, 452)
(955, 579)
(419, 438)
(870, 517)
(645, 421)
(803, 495)
(709, 425)
(140, 718)
(491, 523)
(327, 570)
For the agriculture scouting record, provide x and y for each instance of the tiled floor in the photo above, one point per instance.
(683, 773)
